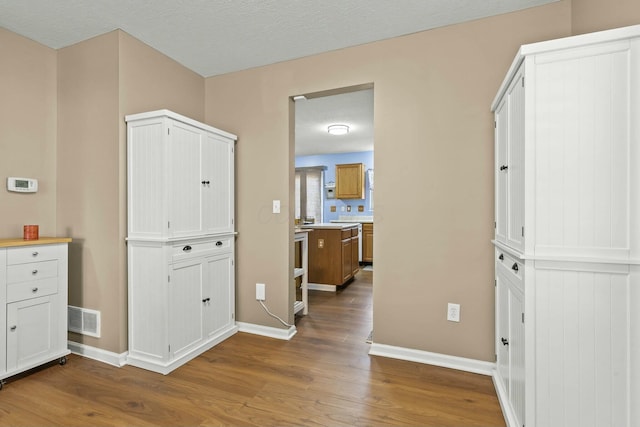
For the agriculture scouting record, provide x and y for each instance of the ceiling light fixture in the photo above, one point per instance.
(338, 129)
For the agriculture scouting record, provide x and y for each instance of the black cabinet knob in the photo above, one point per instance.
(218, 243)
(504, 167)
(186, 248)
(504, 341)
(514, 267)
(501, 257)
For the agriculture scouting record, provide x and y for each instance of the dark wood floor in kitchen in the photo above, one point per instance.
(323, 376)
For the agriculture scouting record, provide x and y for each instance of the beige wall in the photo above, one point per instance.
(595, 15)
(434, 179)
(100, 81)
(434, 197)
(27, 133)
(88, 177)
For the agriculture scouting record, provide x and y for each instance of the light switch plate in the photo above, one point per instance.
(276, 206)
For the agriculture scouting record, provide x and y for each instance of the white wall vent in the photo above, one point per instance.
(83, 321)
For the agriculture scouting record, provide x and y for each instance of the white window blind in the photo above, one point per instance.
(309, 182)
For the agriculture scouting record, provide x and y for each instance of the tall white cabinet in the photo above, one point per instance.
(567, 232)
(180, 239)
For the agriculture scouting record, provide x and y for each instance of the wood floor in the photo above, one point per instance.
(323, 376)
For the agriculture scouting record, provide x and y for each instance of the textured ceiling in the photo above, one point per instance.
(313, 116)
(213, 37)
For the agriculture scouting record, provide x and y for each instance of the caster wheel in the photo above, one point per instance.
(63, 360)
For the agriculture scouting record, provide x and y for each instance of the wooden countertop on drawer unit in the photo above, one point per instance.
(5, 243)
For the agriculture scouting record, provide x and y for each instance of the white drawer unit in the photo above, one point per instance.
(33, 304)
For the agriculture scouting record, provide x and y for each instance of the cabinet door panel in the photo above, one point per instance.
(219, 294)
(355, 265)
(186, 182)
(501, 173)
(515, 161)
(185, 309)
(217, 171)
(347, 271)
(502, 328)
(350, 181)
(31, 331)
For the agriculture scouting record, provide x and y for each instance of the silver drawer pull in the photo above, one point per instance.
(34, 290)
(34, 253)
(34, 272)
(13, 328)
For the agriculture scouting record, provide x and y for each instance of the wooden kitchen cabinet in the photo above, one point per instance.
(367, 242)
(333, 255)
(350, 181)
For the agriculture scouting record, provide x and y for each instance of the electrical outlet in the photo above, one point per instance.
(260, 291)
(453, 312)
(276, 206)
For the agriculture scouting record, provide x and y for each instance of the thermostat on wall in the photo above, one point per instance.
(22, 185)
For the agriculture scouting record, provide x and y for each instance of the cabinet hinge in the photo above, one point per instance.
(495, 357)
(169, 278)
(495, 124)
(168, 224)
(169, 348)
(522, 81)
(168, 131)
(522, 317)
(231, 221)
(495, 224)
(233, 316)
(495, 283)
(522, 231)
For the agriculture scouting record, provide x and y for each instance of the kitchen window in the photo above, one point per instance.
(308, 194)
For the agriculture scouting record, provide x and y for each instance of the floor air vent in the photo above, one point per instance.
(83, 321)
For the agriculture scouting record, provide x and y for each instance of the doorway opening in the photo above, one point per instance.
(323, 189)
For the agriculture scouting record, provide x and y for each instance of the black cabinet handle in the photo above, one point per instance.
(514, 267)
(218, 243)
(206, 300)
(206, 182)
(186, 248)
(504, 341)
(501, 257)
(504, 167)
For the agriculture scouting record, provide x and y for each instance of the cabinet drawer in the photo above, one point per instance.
(346, 234)
(31, 271)
(27, 290)
(511, 266)
(188, 250)
(354, 232)
(31, 253)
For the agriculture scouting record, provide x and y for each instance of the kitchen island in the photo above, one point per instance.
(333, 254)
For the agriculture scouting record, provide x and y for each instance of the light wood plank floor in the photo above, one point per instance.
(323, 376)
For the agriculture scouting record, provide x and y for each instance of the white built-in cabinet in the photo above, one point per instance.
(33, 304)
(567, 232)
(181, 252)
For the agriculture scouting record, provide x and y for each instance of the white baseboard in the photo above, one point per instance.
(98, 354)
(267, 331)
(437, 359)
(321, 287)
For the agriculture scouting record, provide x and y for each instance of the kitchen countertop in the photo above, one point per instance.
(361, 219)
(330, 225)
